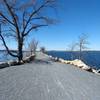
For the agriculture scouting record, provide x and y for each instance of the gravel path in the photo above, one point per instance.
(44, 79)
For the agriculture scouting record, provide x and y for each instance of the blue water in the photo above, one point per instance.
(5, 57)
(91, 58)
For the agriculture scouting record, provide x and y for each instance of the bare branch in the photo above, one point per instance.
(24, 19)
(33, 27)
(33, 46)
(13, 16)
(4, 43)
(46, 19)
(82, 43)
(33, 13)
(7, 19)
(9, 52)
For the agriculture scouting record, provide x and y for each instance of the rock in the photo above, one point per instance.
(68, 62)
(50, 56)
(62, 60)
(13, 63)
(21, 62)
(65, 61)
(88, 69)
(4, 65)
(56, 59)
(94, 71)
(26, 60)
(29, 59)
(98, 71)
(32, 57)
(85, 67)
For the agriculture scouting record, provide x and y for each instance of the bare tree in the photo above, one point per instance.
(33, 46)
(42, 49)
(82, 43)
(18, 18)
(71, 48)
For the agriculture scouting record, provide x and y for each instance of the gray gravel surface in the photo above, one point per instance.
(44, 79)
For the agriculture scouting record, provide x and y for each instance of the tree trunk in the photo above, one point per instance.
(31, 51)
(80, 52)
(20, 50)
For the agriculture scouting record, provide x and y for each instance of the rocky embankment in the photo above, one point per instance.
(77, 63)
(15, 62)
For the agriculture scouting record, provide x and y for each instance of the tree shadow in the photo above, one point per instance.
(42, 61)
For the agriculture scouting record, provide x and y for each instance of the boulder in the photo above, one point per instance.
(56, 59)
(13, 63)
(62, 60)
(98, 71)
(94, 71)
(78, 63)
(53, 58)
(32, 57)
(89, 69)
(26, 60)
(50, 56)
(29, 59)
(85, 67)
(67, 62)
(4, 65)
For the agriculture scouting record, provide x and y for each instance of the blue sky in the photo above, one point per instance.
(75, 17)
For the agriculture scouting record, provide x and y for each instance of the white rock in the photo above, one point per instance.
(61, 60)
(94, 71)
(98, 71)
(85, 67)
(50, 56)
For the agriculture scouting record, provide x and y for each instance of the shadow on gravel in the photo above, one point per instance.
(42, 62)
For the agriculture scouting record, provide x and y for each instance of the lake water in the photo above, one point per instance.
(5, 57)
(91, 58)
